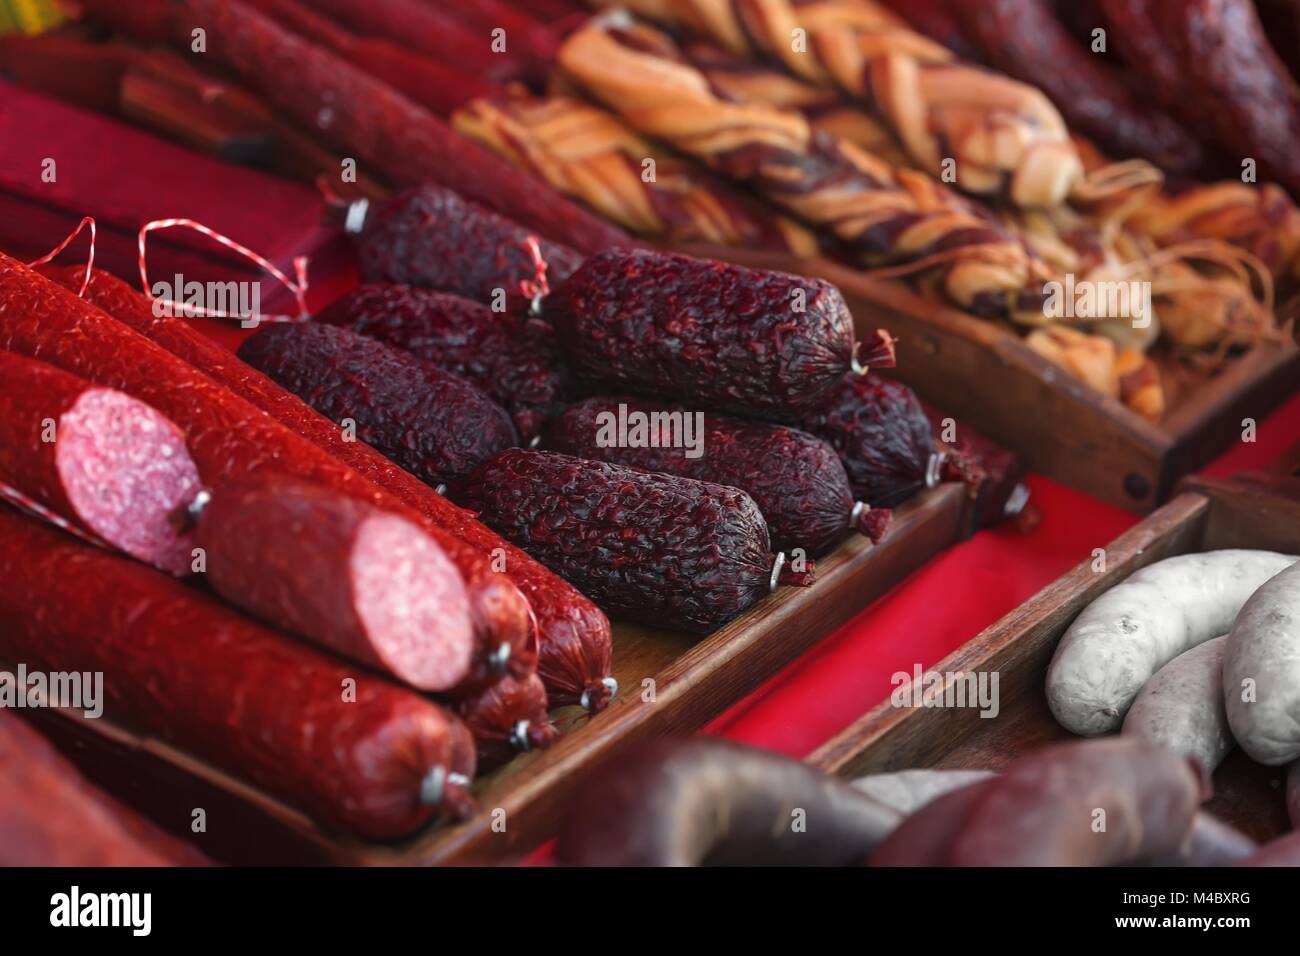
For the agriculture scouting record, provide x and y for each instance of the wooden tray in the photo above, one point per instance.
(1248, 512)
(1059, 426)
(521, 804)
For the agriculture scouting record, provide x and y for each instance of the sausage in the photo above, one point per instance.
(514, 359)
(1237, 82)
(668, 551)
(730, 338)
(1181, 706)
(1261, 671)
(931, 18)
(430, 236)
(272, 711)
(321, 92)
(796, 480)
(1109, 802)
(708, 801)
(50, 815)
(368, 584)
(434, 424)
(1022, 38)
(104, 461)
(443, 34)
(228, 438)
(881, 432)
(909, 790)
(1121, 639)
(572, 634)
(438, 87)
(508, 718)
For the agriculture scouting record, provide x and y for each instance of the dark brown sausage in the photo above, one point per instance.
(104, 461)
(692, 802)
(368, 584)
(350, 749)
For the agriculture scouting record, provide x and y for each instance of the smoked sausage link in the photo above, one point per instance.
(668, 551)
(796, 480)
(514, 359)
(691, 330)
(50, 815)
(350, 749)
(108, 463)
(434, 424)
(430, 236)
(365, 583)
(572, 634)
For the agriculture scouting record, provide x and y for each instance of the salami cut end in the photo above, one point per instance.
(405, 589)
(128, 476)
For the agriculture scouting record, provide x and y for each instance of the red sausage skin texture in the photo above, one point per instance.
(369, 585)
(106, 462)
(181, 667)
(50, 815)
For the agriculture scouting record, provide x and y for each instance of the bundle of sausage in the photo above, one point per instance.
(232, 440)
(572, 634)
(698, 802)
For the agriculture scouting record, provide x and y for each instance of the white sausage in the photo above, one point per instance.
(1264, 648)
(1182, 706)
(1130, 632)
(909, 790)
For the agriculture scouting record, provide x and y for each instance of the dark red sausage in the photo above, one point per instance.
(228, 438)
(727, 337)
(181, 667)
(796, 480)
(513, 359)
(436, 86)
(572, 634)
(881, 432)
(50, 815)
(667, 551)
(434, 424)
(1024, 39)
(430, 236)
(1237, 82)
(368, 584)
(108, 463)
(525, 39)
(508, 718)
(439, 33)
(325, 94)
